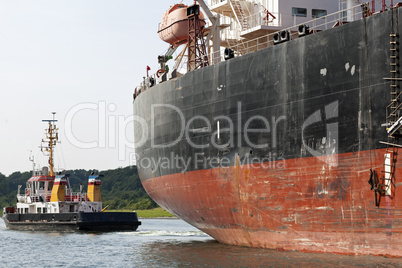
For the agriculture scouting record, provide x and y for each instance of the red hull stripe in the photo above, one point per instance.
(306, 205)
(94, 183)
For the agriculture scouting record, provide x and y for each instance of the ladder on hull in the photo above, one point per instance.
(384, 185)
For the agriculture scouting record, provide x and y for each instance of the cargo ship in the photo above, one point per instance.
(283, 131)
(49, 204)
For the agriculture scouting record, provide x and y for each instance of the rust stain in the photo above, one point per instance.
(247, 235)
(246, 173)
(153, 178)
(237, 172)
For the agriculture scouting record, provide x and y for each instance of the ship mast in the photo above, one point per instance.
(50, 142)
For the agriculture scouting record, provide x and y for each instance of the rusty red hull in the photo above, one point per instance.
(297, 204)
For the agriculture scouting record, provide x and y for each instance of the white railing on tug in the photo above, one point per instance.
(70, 196)
(317, 24)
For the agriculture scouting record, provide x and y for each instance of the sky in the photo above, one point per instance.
(81, 59)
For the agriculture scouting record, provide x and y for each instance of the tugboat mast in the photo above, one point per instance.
(51, 139)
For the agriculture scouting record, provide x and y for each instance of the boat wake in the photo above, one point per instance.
(154, 233)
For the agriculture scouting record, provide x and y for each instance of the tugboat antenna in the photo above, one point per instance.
(32, 159)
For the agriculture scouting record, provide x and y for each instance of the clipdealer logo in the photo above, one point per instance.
(224, 132)
(111, 133)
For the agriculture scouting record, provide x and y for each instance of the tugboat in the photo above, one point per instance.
(49, 204)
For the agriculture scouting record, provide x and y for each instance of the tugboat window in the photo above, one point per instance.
(44, 210)
(318, 13)
(42, 185)
(26, 210)
(299, 12)
(38, 210)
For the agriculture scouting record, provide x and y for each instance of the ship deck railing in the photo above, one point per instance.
(76, 197)
(234, 40)
(69, 197)
(243, 47)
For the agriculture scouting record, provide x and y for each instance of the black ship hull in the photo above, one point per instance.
(69, 222)
(275, 148)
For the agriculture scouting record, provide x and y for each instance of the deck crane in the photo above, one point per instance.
(162, 59)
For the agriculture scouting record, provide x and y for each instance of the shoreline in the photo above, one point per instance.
(159, 218)
(149, 213)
